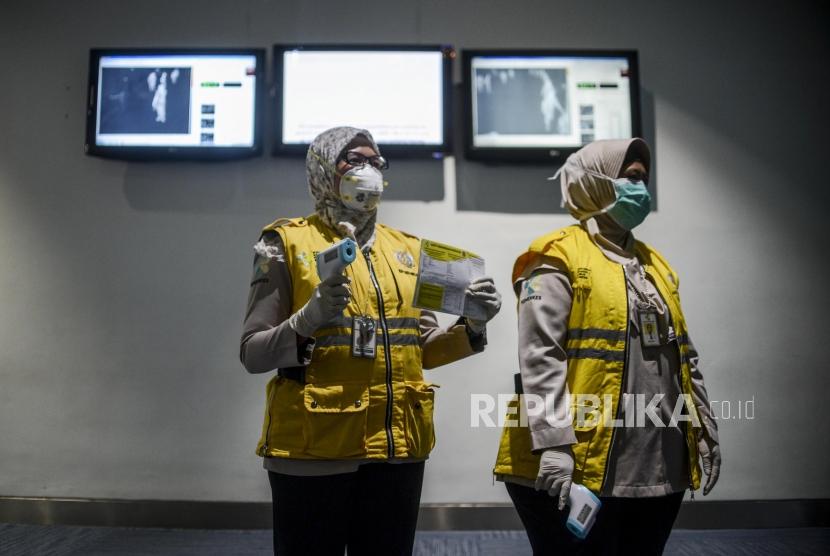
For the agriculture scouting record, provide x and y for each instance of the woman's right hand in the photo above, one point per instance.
(327, 301)
(556, 469)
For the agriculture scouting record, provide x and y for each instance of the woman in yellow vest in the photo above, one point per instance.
(612, 393)
(348, 417)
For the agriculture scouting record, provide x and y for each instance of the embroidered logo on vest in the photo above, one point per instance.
(405, 258)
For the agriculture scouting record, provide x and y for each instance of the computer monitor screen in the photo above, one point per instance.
(175, 104)
(546, 104)
(399, 93)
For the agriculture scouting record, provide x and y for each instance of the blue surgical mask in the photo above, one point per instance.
(633, 203)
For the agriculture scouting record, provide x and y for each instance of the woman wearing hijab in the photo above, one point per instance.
(348, 418)
(603, 342)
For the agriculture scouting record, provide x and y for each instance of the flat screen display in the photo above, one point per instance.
(546, 104)
(399, 93)
(171, 104)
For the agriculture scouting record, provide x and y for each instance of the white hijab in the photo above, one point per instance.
(587, 188)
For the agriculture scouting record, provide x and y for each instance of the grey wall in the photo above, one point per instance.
(122, 285)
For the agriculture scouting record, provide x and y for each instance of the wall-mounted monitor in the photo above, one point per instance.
(153, 104)
(399, 93)
(542, 105)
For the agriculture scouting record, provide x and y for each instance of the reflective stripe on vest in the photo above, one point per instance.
(346, 340)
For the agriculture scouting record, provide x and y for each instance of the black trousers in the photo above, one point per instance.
(636, 526)
(371, 511)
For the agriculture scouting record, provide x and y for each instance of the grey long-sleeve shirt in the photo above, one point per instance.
(644, 461)
(269, 343)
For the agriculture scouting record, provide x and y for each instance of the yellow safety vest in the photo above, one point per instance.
(596, 350)
(352, 407)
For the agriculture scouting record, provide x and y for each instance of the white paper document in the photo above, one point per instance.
(443, 276)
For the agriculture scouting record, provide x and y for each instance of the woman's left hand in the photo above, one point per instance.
(482, 291)
(710, 457)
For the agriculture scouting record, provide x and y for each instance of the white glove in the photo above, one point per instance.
(482, 292)
(327, 301)
(556, 470)
(710, 457)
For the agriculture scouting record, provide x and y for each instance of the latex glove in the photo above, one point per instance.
(327, 301)
(710, 457)
(482, 292)
(556, 469)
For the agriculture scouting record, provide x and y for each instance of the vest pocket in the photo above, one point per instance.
(420, 431)
(284, 420)
(336, 419)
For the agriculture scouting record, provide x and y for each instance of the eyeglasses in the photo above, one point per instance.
(354, 158)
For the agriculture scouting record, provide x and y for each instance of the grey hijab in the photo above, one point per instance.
(320, 163)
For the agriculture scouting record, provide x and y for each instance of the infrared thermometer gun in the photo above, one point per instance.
(336, 258)
(584, 509)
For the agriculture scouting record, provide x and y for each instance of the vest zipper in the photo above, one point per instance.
(622, 381)
(386, 356)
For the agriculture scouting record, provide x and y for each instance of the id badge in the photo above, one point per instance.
(364, 338)
(649, 329)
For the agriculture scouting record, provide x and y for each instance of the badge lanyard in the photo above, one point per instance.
(364, 332)
(647, 312)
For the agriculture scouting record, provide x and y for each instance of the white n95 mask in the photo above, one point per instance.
(361, 188)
